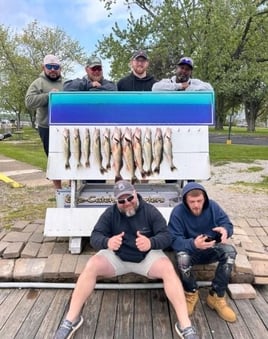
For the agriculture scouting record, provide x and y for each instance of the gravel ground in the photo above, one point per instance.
(234, 186)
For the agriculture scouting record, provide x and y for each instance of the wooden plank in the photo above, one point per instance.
(19, 314)
(4, 294)
(160, 315)
(218, 327)
(261, 307)
(36, 315)
(9, 304)
(251, 319)
(200, 322)
(143, 315)
(107, 315)
(263, 289)
(239, 328)
(90, 314)
(124, 320)
(54, 314)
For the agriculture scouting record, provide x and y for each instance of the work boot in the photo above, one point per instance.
(191, 301)
(219, 304)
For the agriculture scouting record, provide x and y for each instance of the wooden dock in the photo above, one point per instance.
(124, 314)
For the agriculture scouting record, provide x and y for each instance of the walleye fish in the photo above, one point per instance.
(86, 143)
(106, 146)
(117, 153)
(67, 149)
(128, 154)
(97, 149)
(137, 149)
(147, 151)
(77, 147)
(168, 148)
(158, 149)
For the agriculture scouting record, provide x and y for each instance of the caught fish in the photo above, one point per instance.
(158, 149)
(77, 147)
(116, 148)
(97, 149)
(137, 149)
(147, 151)
(168, 148)
(106, 146)
(86, 143)
(128, 154)
(67, 150)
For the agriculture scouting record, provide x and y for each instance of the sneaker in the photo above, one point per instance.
(67, 328)
(191, 301)
(219, 304)
(187, 333)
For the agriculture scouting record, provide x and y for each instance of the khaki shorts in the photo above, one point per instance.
(124, 267)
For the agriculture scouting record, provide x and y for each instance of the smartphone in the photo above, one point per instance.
(209, 239)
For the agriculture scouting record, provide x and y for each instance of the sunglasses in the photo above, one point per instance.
(96, 68)
(123, 201)
(50, 67)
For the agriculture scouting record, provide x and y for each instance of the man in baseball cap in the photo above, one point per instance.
(138, 79)
(130, 237)
(182, 80)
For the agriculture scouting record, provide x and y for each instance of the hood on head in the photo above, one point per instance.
(194, 186)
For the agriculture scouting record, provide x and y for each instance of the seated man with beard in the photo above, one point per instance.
(130, 237)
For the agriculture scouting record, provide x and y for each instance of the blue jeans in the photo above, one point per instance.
(222, 253)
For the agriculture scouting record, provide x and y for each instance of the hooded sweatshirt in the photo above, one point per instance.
(184, 227)
(148, 220)
(172, 85)
(37, 97)
(133, 83)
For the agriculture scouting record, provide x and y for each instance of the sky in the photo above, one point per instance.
(83, 20)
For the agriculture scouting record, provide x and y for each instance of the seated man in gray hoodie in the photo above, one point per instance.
(182, 80)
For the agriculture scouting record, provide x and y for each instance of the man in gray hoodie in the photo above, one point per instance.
(37, 96)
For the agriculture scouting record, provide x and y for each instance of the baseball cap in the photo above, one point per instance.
(123, 187)
(51, 59)
(139, 54)
(186, 61)
(93, 61)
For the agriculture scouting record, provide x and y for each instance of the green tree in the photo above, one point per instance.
(227, 40)
(21, 56)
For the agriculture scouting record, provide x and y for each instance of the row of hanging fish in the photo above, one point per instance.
(118, 148)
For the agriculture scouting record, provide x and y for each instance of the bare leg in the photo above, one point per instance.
(96, 266)
(164, 269)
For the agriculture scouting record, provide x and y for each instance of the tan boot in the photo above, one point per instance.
(191, 301)
(219, 304)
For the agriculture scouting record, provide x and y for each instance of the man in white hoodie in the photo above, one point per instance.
(183, 80)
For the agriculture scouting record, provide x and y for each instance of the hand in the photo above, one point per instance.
(184, 85)
(115, 242)
(223, 232)
(54, 90)
(142, 242)
(201, 243)
(96, 84)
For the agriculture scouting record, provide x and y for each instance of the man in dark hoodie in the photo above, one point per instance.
(129, 236)
(138, 79)
(93, 80)
(200, 228)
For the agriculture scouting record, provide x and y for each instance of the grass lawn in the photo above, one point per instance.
(30, 149)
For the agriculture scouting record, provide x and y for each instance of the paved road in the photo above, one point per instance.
(239, 139)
